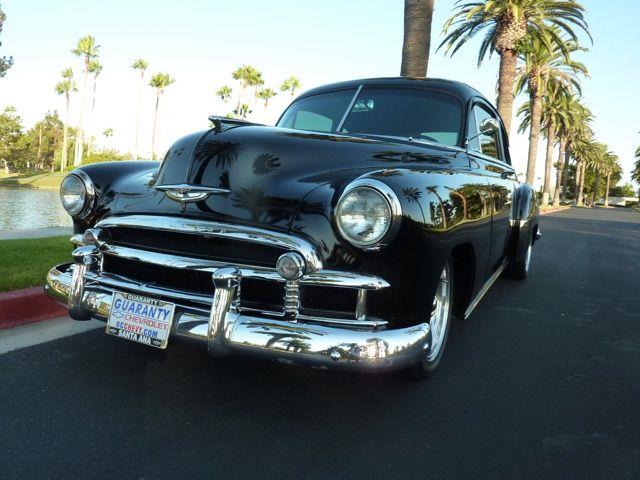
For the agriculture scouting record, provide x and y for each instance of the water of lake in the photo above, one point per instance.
(26, 208)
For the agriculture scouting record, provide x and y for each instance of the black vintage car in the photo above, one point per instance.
(346, 236)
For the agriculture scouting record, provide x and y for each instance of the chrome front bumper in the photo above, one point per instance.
(225, 329)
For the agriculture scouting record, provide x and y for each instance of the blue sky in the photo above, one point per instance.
(200, 42)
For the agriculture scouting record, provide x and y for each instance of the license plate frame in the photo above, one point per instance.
(140, 319)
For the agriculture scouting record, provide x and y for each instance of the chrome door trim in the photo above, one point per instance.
(485, 288)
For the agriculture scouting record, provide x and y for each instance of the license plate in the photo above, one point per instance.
(140, 319)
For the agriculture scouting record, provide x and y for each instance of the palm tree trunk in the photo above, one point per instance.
(155, 122)
(580, 183)
(565, 176)
(551, 139)
(506, 80)
(561, 169)
(606, 192)
(417, 37)
(596, 188)
(39, 145)
(93, 107)
(135, 148)
(77, 159)
(534, 135)
(63, 158)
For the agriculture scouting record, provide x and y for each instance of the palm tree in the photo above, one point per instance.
(551, 113)
(65, 87)
(545, 65)
(159, 81)
(585, 150)
(506, 24)
(241, 111)
(291, 84)
(256, 81)
(611, 167)
(247, 75)
(572, 123)
(417, 37)
(95, 68)
(597, 163)
(141, 65)
(266, 94)
(87, 50)
(635, 173)
(224, 93)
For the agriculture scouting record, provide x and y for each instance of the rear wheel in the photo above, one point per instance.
(439, 322)
(519, 267)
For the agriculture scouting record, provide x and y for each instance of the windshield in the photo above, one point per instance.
(399, 112)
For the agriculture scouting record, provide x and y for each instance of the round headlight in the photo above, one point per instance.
(73, 194)
(364, 216)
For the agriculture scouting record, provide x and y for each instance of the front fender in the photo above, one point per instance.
(111, 179)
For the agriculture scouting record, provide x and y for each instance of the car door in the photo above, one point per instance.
(489, 154)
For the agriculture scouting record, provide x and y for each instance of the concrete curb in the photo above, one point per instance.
(553, 210)
(29, 305)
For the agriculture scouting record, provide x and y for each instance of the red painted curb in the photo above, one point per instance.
(28, 305)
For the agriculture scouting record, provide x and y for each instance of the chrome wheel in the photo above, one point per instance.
(527, 260)
(440, 314)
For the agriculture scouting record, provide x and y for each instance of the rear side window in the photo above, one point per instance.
(318, 113)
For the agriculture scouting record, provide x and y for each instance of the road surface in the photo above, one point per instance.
(543, 381)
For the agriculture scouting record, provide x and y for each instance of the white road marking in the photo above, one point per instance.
(36, 333)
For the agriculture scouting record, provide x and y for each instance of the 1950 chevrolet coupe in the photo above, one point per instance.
(346, 236)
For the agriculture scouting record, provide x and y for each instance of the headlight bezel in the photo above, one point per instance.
(89, 196)
(393, 203)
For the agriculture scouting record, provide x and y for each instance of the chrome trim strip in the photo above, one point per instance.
(330, 278)
(485, 288)
(373, 323)
(77, 239)
(226, 281)
(217, 229)
(121, 283)
(346, 113)
(185, 193)
(361, 304)
(85, 259)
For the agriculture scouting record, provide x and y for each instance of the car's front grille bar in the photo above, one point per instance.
(333, 278)
(207, 228)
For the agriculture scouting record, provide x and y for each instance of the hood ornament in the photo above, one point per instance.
(185, 193)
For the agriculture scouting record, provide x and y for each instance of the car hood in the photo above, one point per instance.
(264, 173)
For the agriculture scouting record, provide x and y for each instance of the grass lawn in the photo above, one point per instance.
(40, 180)
(25, 263)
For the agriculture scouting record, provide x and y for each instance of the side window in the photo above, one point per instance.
(487, 144)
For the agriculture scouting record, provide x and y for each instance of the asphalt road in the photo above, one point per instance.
(543, 381)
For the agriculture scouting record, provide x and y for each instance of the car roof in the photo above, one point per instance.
(461, 89)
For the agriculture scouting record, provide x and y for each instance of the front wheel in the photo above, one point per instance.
(439, 321)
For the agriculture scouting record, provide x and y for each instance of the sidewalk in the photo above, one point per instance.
(41, 332)
(35, 233)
